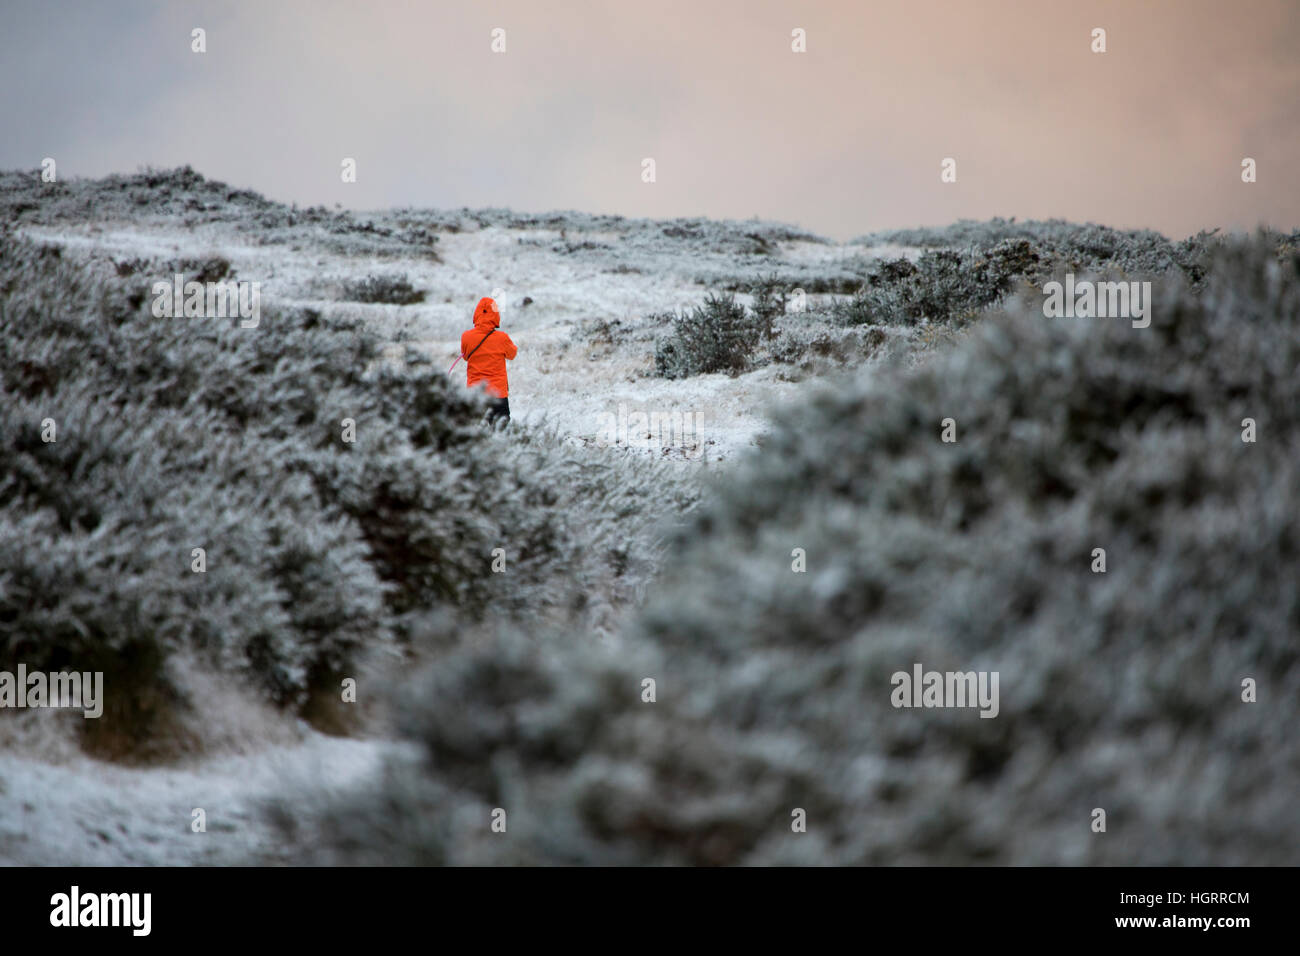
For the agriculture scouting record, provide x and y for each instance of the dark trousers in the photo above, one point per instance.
(499, 409)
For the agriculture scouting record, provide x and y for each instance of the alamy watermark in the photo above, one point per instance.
(208, 300)
(1086, 299)
(922, 688)
(133, 911)
(58, 689)
(664, 430)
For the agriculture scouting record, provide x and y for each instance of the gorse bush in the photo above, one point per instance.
(718, 336)
(822, 347)
(940, 286)
(769, 296)
(1119, 690)
(178, 434)
(1086, 247)
(394, 290)
(980, 263)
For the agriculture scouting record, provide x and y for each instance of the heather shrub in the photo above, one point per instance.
(1120, 690)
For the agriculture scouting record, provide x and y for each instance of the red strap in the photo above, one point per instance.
(480, 343)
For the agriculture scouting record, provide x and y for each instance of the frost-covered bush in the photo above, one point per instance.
(390, 289)
(971, 265)
(840, 278)
(602, 336)
(182, 196)
(211, 269)
(940, 286)
(820, 346)
(1120, 690)
(176, 434)
(769, 295)
(1079, 247)
(718, 336)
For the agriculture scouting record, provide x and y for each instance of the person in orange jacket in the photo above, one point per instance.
(485, 349)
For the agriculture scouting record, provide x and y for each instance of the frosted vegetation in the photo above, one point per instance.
(1120, 690)
(173, 435)
(523, 689)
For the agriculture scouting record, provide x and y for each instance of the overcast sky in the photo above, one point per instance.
(843, 139)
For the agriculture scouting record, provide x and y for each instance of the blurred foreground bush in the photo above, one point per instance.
(1119, 690)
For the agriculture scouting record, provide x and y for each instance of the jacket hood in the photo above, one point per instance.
(486, 314)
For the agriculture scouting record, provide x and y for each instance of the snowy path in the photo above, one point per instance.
(87, 813)
(557, 378)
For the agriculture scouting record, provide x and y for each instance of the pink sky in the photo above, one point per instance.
(844, 139)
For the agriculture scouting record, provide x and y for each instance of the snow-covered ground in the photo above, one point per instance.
(557, 378)
(90, 813)
(58, 806)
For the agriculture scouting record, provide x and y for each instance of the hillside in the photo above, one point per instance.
(499, 596)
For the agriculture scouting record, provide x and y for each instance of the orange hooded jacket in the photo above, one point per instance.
(488, 363)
